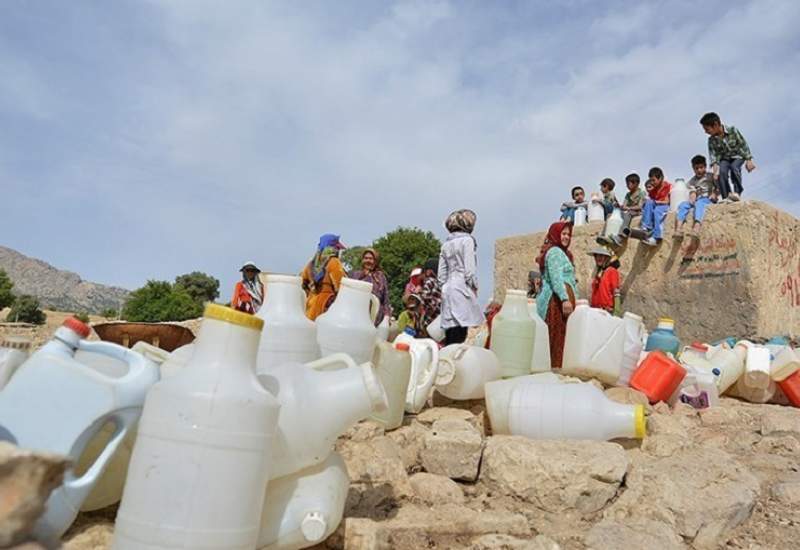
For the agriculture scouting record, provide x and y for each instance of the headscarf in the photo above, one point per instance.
(376, 255)
(553, 239)
(327, 248)
(254, 289)
(461, 220)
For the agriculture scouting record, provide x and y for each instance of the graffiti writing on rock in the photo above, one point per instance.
(715, 257)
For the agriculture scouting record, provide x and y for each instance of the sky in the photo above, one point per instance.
(142, 140)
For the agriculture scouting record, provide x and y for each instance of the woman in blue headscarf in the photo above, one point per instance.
(322, 276)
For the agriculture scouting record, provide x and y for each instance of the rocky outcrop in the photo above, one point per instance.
(58, 289)
(742, 278)
(26, 480)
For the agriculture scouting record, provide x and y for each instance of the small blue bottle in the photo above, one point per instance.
(663, 338)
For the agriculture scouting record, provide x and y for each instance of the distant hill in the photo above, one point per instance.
(57, 289)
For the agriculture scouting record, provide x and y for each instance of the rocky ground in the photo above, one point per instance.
(727, 477)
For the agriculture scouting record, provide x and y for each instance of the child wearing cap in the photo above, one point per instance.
(410, 321)
(606, 281)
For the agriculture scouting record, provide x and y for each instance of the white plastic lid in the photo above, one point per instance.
(313, 527)
(666, 323)
(277, 278)
(375, 390)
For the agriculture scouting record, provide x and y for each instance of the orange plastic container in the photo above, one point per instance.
(658, 376)
(791, 388)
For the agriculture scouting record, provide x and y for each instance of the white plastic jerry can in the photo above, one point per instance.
(14, 351)
(305, 508)
(202, 457)
(498, 395)
(540, 361)
(56, 404)
(632, 347)
(347, 326)
(593, 346)
(596, 211)
(393, 366)
(785, 363)
(698, 389)
(580, 216)
(319, 402)
(288, 336)
(613, 223)
(571, 411)
(678, 194)
(435, 330)
(424, 365)
(464, 370)
(382, 334)
(513, 332)
(753, 394)
(727, 366)
(757, 367)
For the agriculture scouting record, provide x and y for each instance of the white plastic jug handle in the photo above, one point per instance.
(135, 361)
(374, 307)
(125, 420)
(446, 371)
(459, 354)
(424, 378)
(336, 361)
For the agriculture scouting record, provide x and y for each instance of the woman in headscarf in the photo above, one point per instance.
(431, 292)
(458, 277)
(248, 294)
(372, 273)
(556, 300)
(322, 276)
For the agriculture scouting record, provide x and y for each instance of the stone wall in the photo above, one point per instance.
(741, 279)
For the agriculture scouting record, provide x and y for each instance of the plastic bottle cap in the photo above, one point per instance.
(640, 425)
(716, 372)
(230, 315)
(78, 327)
(402, 346)
(313, 527)
(699, 346)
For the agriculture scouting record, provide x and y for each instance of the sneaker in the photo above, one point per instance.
(650, 241)
(734, 197)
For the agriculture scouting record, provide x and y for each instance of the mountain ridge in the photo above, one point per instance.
(57, 288)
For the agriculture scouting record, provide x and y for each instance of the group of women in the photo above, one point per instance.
(449, 289)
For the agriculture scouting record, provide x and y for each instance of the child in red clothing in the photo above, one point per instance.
(606, 281)
(656, 206)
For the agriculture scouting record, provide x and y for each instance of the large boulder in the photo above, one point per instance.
(452, 448)
(26, 480)
(741, 278)
(700, 493)
(577, 477)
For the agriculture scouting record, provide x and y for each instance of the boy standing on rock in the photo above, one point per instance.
(727, 151)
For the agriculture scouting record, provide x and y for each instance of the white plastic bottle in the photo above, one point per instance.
(424, 364)
(785, 363)
(319, 402)
(177, 361)
(698, 389)
(56, 404)
(757, 367)
(513, 331)
(498, 395)
(382, 334)
(347, 326)
(393, 366)
(464, 370)
(613, 223)
(678, 194)
(571, 411)
(751, 393)
(288, 336)
(14, 351)
(632, 347)
(593, 347)
(435, 330)
(596, 211)
(303, 509)
(728, 366)
(202, 458)
(540, 361)
(580, 216)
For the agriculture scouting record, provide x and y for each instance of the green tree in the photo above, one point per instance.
(201, 287)
(351, 258)
(401, 250)
(6, 296)
(26, 309)
(110, 313)
(159, 301)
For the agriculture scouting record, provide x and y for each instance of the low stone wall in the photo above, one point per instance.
(741, 279)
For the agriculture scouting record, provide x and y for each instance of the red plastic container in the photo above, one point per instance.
(791, 388)
(658, 376)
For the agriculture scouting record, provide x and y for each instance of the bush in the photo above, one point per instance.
(82, 316)
(6, 296)
(26, 309)
(159, 301)
(110, 313)
(351, 258)
(201, 287)
(400, 251)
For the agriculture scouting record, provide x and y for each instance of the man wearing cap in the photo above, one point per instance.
(248, 295)
(606, 281)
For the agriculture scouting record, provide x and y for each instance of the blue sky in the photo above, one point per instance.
(147, 139)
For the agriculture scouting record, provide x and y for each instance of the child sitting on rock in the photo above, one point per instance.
(578, 201)
(656, 207)
(702, 192)
(609, 199)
